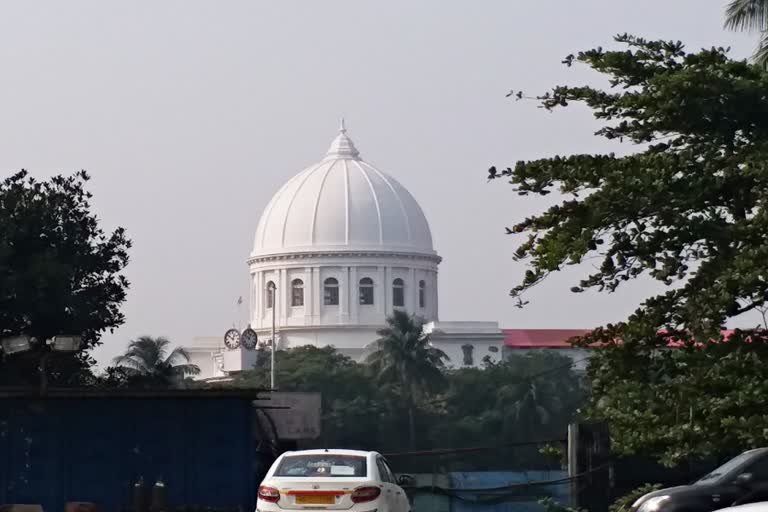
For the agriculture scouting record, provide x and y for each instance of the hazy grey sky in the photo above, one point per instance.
(189, 115)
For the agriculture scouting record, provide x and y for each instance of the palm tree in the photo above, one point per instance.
(147, 360)
(750, 15)
(405, 358)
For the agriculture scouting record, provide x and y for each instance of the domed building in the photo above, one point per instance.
(340, 247)
(344, 244)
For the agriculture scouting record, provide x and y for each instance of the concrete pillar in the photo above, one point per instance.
(379, 291)
(309, 292)
(259, 306)
(317, 297)
(353, 298)
(411, 292)
(283, 288)
(345, 295)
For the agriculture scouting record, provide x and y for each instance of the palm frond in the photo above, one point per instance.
(747, 15)
(761, 54)
(179, 354)
(185, 369)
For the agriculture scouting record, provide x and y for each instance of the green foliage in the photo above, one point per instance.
(691, 402)
(689, 208)
(514, 401)
(550, 505)
(148, 362)
(364, 408)
(625, 502)
(59, 273)
(405, 360)
(352, 403)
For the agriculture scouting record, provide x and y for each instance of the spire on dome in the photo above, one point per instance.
(342, 146)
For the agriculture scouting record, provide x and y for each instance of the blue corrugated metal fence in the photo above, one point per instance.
(94, 450)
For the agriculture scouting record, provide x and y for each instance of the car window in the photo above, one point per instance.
(758, 469)
(322, 465)
(384, 474)
(726, 468)
(389, 471)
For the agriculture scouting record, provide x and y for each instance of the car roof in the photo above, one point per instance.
(358, 453)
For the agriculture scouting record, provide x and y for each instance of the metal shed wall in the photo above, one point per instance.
(74, 449)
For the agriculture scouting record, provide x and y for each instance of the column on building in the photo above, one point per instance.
(259, 311)
(411, 292)
(432, 283)
(317, 297)
(309, 292)
(353, 300)
(345, 295)
(379, 291)
(283, 296)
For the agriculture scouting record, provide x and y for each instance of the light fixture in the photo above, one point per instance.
(16, 344)
(67, 343)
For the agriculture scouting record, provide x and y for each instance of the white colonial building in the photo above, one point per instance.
(344, 245)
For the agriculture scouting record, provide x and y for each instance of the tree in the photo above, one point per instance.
(352, 411)
(60, 273)
(752, 16)
(147, 361)
(405, 358)
(696, 401)
(687, 209)
(528, 397)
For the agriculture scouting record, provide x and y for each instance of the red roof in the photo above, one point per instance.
(541, 338)
(557, 338)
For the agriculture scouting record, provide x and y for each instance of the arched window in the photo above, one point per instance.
(398, 293)
(422, 294)
(270, 294)
(366, 291)
(331, 292)
(297, 292)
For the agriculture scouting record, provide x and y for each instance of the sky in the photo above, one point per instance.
(190, 114)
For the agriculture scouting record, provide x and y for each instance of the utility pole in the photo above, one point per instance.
(274, 341)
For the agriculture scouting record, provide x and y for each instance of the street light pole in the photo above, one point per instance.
(274, 342)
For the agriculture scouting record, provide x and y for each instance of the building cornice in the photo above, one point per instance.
(293, 256)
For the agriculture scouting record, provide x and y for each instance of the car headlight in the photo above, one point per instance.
(653, 504)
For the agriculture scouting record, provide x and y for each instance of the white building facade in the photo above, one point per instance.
(344, 245)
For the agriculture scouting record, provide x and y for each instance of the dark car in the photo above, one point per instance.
(741, 480)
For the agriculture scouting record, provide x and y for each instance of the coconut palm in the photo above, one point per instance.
(148, 360)
(405, 359)
(752, 16)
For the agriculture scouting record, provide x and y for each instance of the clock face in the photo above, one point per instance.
(250, 339)
(232, 339)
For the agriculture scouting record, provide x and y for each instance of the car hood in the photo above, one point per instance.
(681, 490)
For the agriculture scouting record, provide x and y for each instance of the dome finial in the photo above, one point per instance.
(342, 146)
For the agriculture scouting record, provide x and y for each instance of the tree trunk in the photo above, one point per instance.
(411, 428)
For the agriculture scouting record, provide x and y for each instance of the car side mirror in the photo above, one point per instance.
(744, 479)
(406, 480)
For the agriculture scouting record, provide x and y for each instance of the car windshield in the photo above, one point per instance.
(725, 468)
(322, 465)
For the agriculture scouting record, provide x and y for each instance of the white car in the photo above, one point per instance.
(331, 480)
(751, 507)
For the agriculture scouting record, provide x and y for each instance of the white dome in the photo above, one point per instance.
(342, 204)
